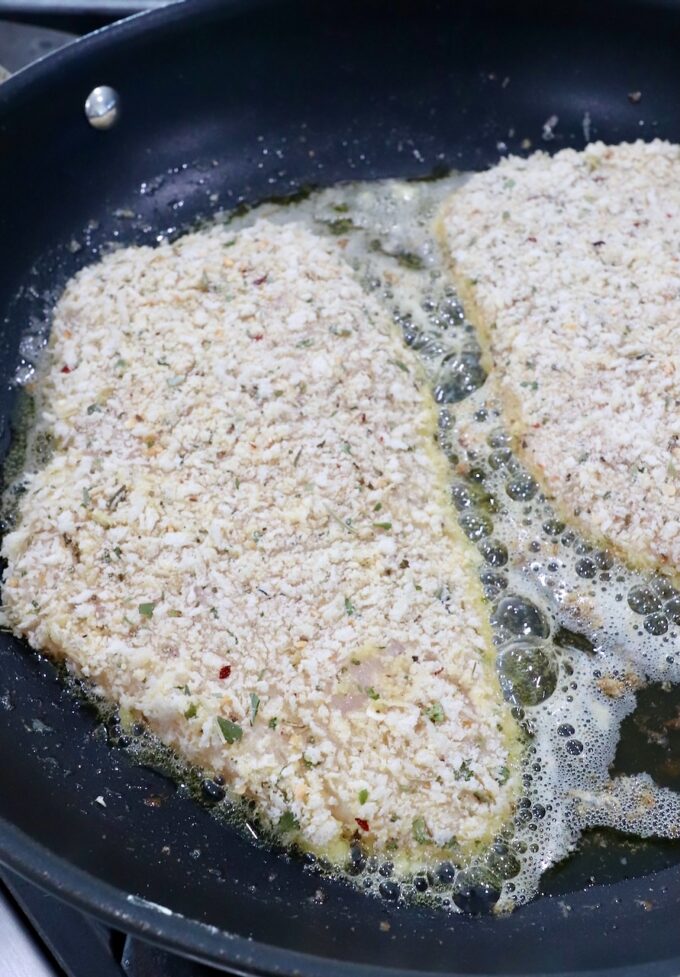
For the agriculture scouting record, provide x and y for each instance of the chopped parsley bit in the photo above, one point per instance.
(190, 711)
(363, 795)
(213, 611)
(288, 822)
(172, 613)
(391, 844)
(183, 688)
(341, 208)
(377, 507)
(93, 409)
(382, 525)
(146, 610)
(372, 694)
(420, 831)
(464, 772)
(435, 713)
(401, 365)
(254, 706)
(231, 732)
(304, 343)
(407, 259)
(349, 607)
(503, 775)
(346, 448)
(273, 722)
(341, 225)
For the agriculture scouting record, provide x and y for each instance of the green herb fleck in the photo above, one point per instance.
(503, 775)
(173, 613)
(231, 732)
(407, 259)
(349, 607)
(346, 448)
(254, 706)
(273, 722)
(341, 225)
(464, 772)
(87, 501)
(214, 612)
(288, 822)
(372, 694)
(146, 610)
(377, 507)
(420, 831)
(94, 409)
(363, 795)
(402, 366)
(190, 711)
(382, 525)
(435, 713)
(341, 208)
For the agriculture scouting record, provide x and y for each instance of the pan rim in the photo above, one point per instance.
(210, 945)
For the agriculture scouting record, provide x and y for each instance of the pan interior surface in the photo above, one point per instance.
(223, 104)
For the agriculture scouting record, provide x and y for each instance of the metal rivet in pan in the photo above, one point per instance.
(102, 107)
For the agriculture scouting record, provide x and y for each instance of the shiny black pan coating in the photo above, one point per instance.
(249, 100)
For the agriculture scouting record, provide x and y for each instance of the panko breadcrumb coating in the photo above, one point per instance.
(244, 537)
(569, 267)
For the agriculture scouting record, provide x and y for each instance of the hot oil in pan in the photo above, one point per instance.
(578, 635)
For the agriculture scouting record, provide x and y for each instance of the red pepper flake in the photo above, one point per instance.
(363, 824)
(66, 369)
(261, 281)
(258, 336)
(225, 671)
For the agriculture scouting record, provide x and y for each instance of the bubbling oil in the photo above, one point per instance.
(577, 632)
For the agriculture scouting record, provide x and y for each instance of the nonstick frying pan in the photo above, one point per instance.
(224, 102)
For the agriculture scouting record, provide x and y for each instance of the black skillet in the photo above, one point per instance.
(248, 100)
